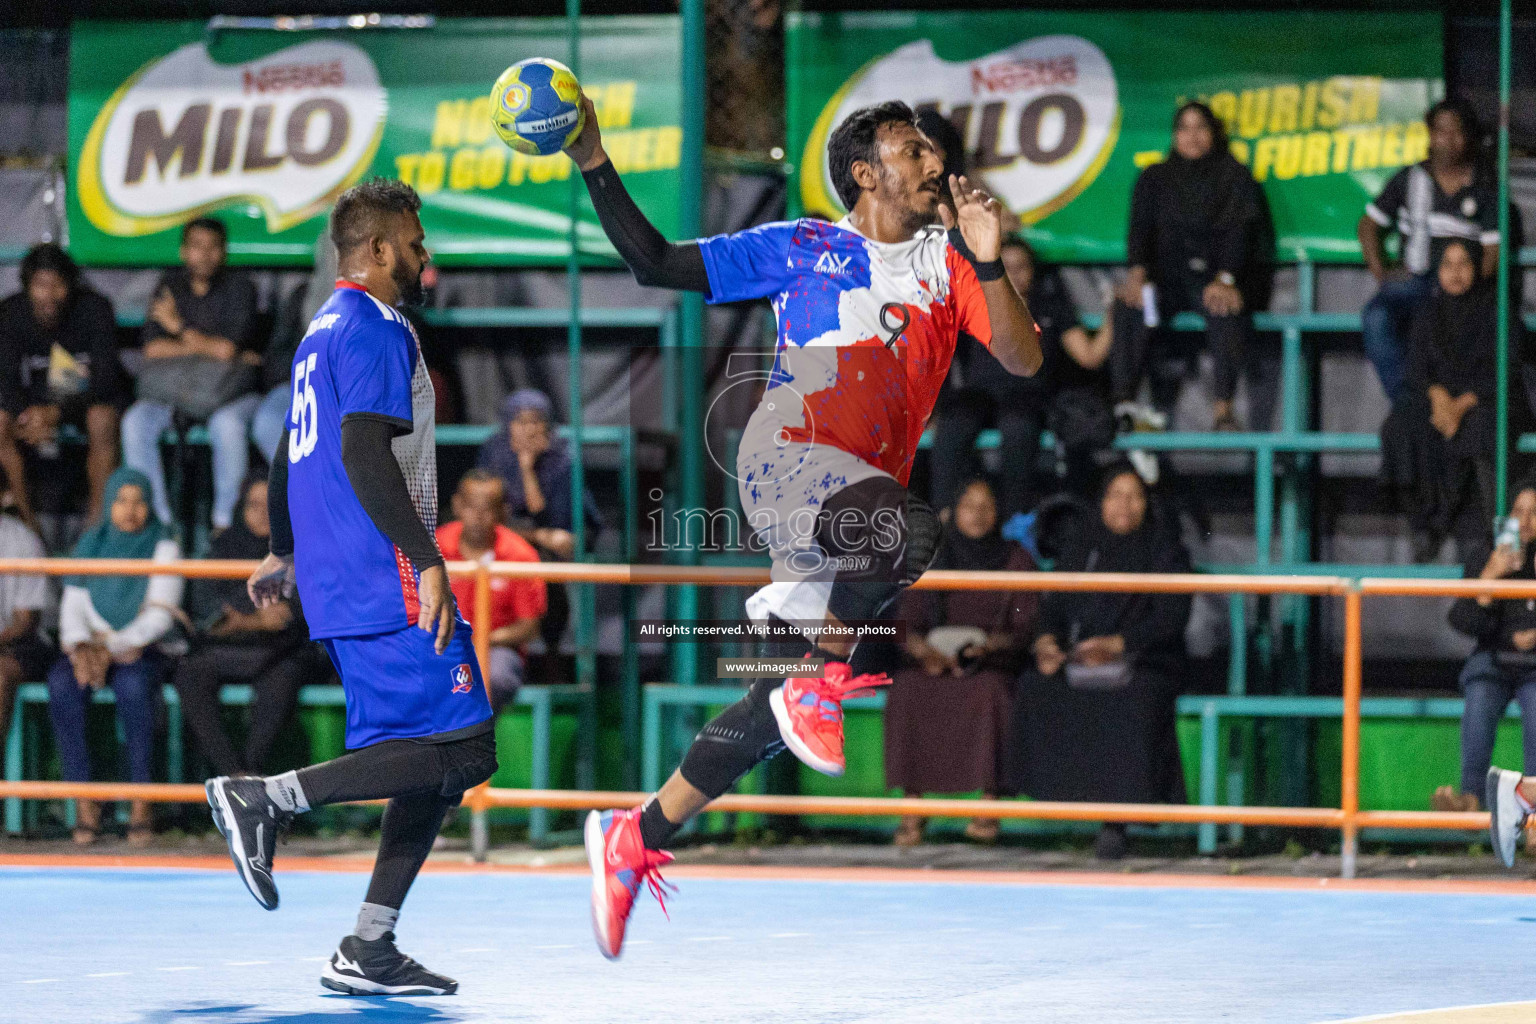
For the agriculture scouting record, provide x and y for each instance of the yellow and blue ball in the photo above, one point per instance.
(536, 106)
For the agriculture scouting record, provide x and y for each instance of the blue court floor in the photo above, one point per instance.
(173, 946)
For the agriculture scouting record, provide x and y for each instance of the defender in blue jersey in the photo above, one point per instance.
(353, 504)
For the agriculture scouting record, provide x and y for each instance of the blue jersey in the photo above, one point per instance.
(359, 358)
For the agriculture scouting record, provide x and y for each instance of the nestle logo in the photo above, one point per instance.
(463, 679)
(1013, 75)
(288, 77)
(827, 263)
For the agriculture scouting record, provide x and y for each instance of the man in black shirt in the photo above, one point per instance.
(200, 309)
(58, 365)
(1447, 196)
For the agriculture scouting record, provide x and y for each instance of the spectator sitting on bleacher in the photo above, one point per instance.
(1201, 236)
(1503, 665)
(1438, 441)
(535, 464)
(203, 316)
(1450, 195)
(290, 325)
(24, 654)
(111, 629)
(951, 705)
(517, 606)
(1070, 395)
(235, 642)
(1095, 719)
(58, 365)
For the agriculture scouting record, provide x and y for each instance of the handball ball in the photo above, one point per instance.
(536, 106)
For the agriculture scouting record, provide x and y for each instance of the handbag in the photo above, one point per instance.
(196, 385)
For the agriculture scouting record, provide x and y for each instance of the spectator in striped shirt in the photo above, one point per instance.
(1450, 195)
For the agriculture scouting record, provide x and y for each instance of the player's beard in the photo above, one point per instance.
(408, 285)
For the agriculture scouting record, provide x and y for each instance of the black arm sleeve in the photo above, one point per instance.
(653, 260)
(277, 500)
(375, 476)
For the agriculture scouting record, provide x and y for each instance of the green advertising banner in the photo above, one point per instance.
(1060, 110)
(264, 129)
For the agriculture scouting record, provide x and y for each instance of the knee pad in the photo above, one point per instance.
(733, 743)
(924, 531)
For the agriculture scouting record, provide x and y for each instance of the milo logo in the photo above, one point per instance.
(287, 133)
(1039, 118)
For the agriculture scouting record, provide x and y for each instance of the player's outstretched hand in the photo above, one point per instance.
(979, 216)
(587, 147)
(272, 581)
(438, 611)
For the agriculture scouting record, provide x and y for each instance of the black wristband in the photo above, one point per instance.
(990, 271)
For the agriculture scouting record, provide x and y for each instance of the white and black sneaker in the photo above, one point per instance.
(249, 821)
(1505, 817)
(375, 967)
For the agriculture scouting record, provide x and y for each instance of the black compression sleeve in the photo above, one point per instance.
(277, 500)
(654, 260)
(375, 476)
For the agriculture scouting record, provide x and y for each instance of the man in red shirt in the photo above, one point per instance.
(477, 534)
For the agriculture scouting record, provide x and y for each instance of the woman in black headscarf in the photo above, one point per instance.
(947, 715)
(233, 641)
(1095, 717)
(1438, 442)
(1201, 235)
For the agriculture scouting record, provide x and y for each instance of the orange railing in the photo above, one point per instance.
(1348, 817)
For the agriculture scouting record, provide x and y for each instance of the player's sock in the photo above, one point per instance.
(287, 792)
(375, 921)
(656, 829)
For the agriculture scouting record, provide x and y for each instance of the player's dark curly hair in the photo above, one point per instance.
(49, 256)
(358, 213)
(857, 139)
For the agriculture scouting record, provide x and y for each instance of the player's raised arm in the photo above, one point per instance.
(653, 260)
(979, 218)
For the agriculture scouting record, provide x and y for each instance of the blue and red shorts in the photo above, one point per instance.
(399, 688)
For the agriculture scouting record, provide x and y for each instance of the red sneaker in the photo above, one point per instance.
(620, 862)
(810, 714)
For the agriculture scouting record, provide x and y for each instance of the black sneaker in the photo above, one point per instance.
(249, 821)
(376, 968)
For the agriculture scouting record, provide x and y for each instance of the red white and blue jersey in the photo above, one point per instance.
(866, 332)
(360, 357)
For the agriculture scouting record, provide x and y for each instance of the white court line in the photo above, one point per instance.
(245, 963)
(570, 946)
(39, 981)
(791, 935)
(108, 974)
(638, 942)
(477, 949)
(709, 938)
(943, 930)
(313, 959)
(178, 968)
